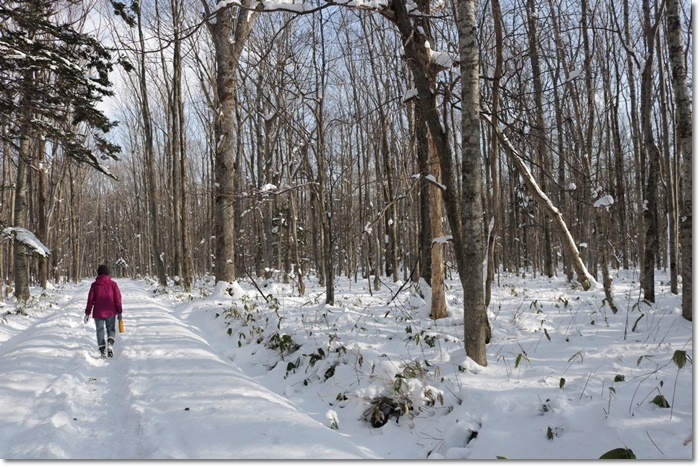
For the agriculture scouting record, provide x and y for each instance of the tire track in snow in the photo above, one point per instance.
(58, 398)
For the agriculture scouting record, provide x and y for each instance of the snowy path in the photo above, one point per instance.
(166, 394)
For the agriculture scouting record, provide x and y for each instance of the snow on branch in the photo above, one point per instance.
(362, 4)
(605, 201)
(430, 178)
(443, 60)
(300, 6)
(28, 239)
(409, 94)
(445, 239)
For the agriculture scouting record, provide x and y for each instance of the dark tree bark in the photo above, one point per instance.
(652, 158)
(542, 151)
(495, 176)
(149, 153)
(229, 35)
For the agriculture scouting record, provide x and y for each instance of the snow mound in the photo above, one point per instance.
(228, 290)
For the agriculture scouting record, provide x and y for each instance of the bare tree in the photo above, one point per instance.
(651, 156)
(471, 272)
(230, 29)
(542, 161)
(495, 175)
(149, 153)
(684, 131)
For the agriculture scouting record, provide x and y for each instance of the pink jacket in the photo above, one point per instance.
(105, 297)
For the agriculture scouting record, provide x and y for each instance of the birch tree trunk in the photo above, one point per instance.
(684, 135)
(471, 256)
(461, 205)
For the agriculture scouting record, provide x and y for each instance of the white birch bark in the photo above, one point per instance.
(471, 274)
(684, 134)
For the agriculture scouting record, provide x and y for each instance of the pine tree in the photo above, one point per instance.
(52, 78)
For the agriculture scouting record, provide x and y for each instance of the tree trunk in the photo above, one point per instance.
(325, 196)
(176, 140)
(295, 244)
(21, 266)
(438, 306)
(229, 39)
(471, 273)
(668, 177)
(620, 192)
(461, 205)
(495, 176)
(588, 217)
(180, 156)
(224, 170)
(634, 123)
(684, 135)
(7, 203)
(423, 156)
(652, 157)
(149, 153)
(559, 118)
(43, 231)
(542, 150)
(386, 162)
(578, 131)
(74, 224)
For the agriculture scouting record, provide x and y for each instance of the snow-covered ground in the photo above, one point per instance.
(230, 374)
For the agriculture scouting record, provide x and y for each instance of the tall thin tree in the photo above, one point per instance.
(684, 136)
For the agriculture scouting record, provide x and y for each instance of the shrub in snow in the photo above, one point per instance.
(408, 392)
(381, 409)
(283, 343)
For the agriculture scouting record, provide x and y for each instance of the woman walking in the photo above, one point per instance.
(105, 304)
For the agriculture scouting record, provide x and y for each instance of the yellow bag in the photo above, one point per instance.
(121, 325)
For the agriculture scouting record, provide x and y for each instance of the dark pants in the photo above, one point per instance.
(101, 325)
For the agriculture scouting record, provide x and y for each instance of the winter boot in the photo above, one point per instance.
(103, 354)
(110, 352)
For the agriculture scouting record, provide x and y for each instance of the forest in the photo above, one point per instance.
(384, 141)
